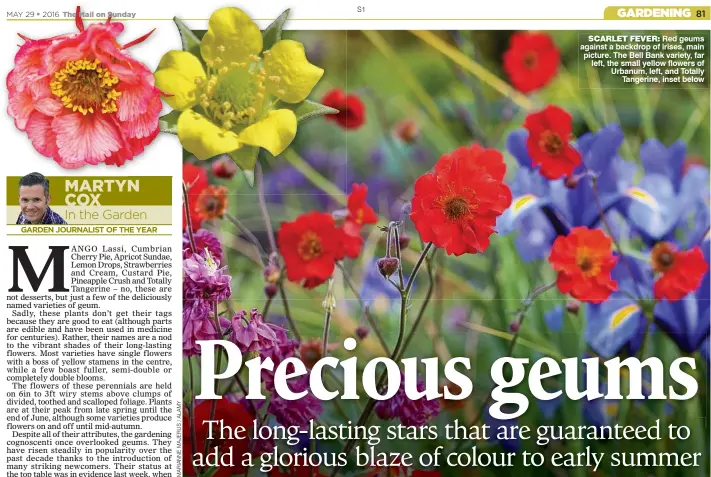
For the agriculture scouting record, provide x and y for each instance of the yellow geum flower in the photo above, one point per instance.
(233, 101)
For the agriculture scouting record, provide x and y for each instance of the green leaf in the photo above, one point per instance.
(273, 32)
(191, 43)
(308, 109)
(246, 158)
(169, 122)
(249, 175)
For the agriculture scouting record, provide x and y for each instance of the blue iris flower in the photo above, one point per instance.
(564, 207)
(497, 426)
(550, 408)
(384, 191)
(554, 319)
(619, 323)
(667, 195)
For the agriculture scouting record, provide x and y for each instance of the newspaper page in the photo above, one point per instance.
(355, 239)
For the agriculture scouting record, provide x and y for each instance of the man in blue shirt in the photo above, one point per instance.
(34, 201)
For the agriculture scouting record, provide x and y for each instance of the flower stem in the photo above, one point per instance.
(421, 313)
(606, 225)
(396, 354)
(191, 411)
(371, 321)
(520, 317)
(213, 405)
(399, 255)
(263, 206)
(287, 312)
(243, 388)
(326, 329)
(248, 233)
(267, 305)
(411, 281)
(188, 220)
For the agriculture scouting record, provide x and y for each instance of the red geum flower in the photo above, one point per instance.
(692, 160)
(680, 272)
(456, 206)
(311, 351)
(310, 246)
(531, 61)
(584, 261)
(211, 203)
(351, 113)
(359, 214)
(224, 167)
(232, 415)
(195, 178)
(549, 132)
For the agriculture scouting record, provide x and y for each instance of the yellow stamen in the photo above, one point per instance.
(86, 86)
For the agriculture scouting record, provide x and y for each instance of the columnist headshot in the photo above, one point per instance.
(34, 201)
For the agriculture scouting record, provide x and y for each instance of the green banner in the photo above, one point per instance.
(96, 191)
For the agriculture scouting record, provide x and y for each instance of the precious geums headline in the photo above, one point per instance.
(90, 382)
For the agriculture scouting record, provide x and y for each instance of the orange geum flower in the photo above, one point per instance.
(584, 262)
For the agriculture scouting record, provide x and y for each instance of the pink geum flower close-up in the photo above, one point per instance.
(82, 99)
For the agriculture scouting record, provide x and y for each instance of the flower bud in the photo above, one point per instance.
(329, 302)
(407, 131)
(362, 332)
(572, 307)
(270, 290)
(388, 265)
(404, 241)
(514, 327)
(571, 182)
(224, 167)
(272, 273)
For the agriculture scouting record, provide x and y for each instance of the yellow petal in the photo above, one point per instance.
(233, 30)
(274, 132)
(298, 77)
(176, 75)
(201, 137)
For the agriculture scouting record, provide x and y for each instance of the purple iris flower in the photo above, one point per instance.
(554, 319)
(668, 194)
(384, 190)
(550, 408)
(498, 427)
(619, 323)
(564, 203)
